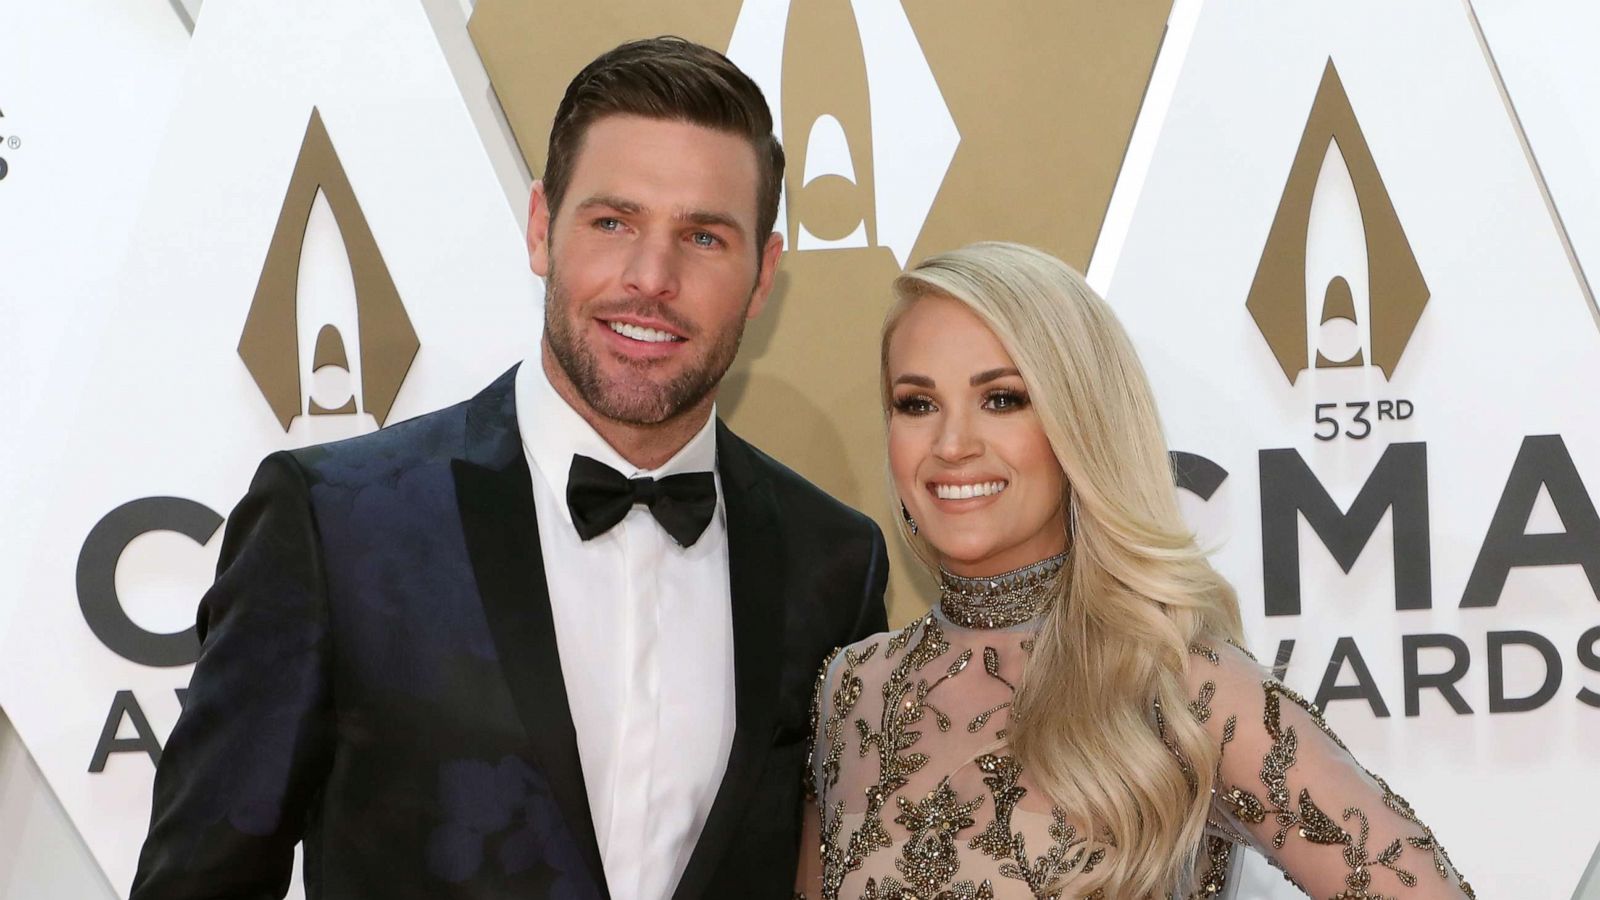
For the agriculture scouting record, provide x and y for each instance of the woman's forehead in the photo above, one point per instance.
(938, 333)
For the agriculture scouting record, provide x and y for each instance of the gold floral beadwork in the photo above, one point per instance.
(1308, 820)
(1001, 842)
(958, 841)
(1218, 859)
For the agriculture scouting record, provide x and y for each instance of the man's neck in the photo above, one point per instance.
(645, 446)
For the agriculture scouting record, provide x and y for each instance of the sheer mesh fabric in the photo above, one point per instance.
(915, 795)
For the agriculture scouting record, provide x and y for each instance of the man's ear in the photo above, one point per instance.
(539, 230)
(764, 279)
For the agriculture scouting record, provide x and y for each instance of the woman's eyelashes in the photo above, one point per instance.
(914, 404)
(1001, 400)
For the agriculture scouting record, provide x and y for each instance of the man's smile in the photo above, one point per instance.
(643, 333)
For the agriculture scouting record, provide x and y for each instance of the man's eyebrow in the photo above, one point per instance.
(918, 380)
(703, 217)
(710, 217)
(989, 375)
(610, 201)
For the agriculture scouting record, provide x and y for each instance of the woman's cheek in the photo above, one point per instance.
(903, 460)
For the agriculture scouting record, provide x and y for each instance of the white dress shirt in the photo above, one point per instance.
(645, 633)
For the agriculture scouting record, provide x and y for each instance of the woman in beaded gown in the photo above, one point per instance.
(1074, 716)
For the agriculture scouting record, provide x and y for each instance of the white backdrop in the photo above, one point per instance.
(147, 175)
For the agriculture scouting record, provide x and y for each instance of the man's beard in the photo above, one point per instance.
(636, 400)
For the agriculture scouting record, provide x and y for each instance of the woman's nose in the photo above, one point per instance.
(957, 440)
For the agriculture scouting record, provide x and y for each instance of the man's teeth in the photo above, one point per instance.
(648, 335)
(967, 491)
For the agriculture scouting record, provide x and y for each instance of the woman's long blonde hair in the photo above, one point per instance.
(1136, 590)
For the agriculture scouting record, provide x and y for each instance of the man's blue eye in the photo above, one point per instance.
(704, 239)
(608, 224)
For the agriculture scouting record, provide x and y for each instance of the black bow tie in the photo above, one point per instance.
(600, 496)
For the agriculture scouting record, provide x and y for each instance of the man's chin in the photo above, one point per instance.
(632, 406)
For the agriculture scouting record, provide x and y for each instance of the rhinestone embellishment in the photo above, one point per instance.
(999, 601)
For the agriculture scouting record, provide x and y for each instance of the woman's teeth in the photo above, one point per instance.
(648, 335)
(968, 491)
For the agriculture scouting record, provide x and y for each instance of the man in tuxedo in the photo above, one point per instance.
(558, 640)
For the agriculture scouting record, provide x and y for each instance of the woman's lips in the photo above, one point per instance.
(967, 490)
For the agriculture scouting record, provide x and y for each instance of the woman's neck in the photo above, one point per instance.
(1002, 600)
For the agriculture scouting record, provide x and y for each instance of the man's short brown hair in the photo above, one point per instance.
(667, 78)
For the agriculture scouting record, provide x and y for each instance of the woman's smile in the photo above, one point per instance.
(967, 490)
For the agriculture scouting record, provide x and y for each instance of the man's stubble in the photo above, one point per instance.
(637, 400)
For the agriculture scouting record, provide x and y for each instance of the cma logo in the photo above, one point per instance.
(273, 344)
(1338, 285)
(273, 348)
(868, 133)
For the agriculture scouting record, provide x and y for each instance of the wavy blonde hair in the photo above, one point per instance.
(1136, 590)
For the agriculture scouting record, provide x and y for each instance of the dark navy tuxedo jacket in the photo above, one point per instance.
(379, 679)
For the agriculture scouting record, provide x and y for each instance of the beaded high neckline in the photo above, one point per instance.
(999, 601)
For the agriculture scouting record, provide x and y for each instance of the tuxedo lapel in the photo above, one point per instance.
(756, 579)
(494, 493)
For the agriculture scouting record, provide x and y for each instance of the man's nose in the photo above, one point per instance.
(652, 267)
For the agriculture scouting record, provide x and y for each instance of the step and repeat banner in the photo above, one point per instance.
(1353, 242)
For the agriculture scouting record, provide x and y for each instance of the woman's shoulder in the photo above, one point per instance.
(1224, 677)
(869, 661)
(1235, 695)
(1219, 660)
(875, 648)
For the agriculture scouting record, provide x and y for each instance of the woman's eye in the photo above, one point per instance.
(1005, 401)
(913, 405)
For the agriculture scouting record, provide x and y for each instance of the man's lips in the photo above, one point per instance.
(644, 330)
(664, 324)
(639, 342)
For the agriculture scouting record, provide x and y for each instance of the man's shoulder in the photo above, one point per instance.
(435, 438)
(429, 438)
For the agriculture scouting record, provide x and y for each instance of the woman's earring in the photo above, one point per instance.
(906, 514)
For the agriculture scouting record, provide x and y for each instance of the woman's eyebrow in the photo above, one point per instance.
(918, 380)
(989, 375)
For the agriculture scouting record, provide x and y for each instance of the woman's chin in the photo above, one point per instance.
(976, 558)
(964, 556)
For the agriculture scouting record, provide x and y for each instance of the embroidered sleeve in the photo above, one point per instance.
(808, 877)
(1290, 787)
(837, 691)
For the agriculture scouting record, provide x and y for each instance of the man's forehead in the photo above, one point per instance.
(667, 166)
